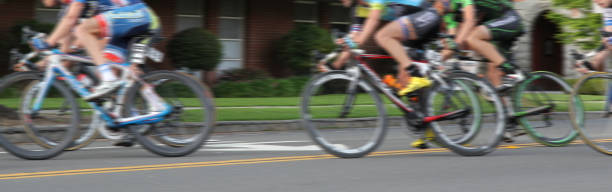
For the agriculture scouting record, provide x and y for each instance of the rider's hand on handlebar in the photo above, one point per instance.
(348, 42)
(20, 67)
(39, 44)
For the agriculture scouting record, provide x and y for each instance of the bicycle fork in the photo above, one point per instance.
(351, 92)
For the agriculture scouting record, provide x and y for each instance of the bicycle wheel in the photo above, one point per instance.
(541, 107)
(87, 133)
(21, 124)
(344, 116)
(591, 111)
(480, 129)
(188, 126)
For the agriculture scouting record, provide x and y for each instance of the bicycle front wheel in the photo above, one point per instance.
(542, 108)
(188, 126)
(592, 112)
(479, 123)
(25, 120)
(343, 115)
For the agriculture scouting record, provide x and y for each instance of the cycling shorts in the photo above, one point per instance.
(506, 28)
(122, 24)
(426, 23)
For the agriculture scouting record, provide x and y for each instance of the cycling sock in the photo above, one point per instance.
(107, 72)
(153, 100)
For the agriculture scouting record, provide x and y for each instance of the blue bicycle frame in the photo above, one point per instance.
(55, 70)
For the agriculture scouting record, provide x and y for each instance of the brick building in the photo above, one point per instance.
(247, 28)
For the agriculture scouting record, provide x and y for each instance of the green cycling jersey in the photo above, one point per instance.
(485, 10)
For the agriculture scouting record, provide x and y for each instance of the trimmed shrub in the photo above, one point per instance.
(243, 75)
(592, 87)
(295, 49)
(195, 48)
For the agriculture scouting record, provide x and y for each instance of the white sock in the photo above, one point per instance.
(107, 73)
(152, 98)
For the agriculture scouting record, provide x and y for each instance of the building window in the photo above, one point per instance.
(190, 14)
(340, 18)
(305, 12)
(231, 33)
(46, 14)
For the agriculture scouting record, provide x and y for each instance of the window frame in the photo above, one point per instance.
(316, 11)
(179, 15)
(240, 40)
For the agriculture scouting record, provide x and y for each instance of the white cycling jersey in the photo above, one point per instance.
(607, 16)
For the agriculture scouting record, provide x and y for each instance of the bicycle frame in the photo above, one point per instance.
(363, 67)
(56, 71)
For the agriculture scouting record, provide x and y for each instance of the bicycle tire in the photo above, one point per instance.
(87, 137)
(477, 141)
(538, 134)
(578, 114)
(166, 145)
(68, 136)
(325, 132)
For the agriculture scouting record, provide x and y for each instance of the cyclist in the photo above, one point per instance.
(597, 63)
(360, 13)
(117, 20)
(67, 42)
(414, 28)
(391, 36)
(478, 23)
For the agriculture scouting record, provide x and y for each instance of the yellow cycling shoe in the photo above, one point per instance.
(419, 143)
(415, 84)
(429, 134)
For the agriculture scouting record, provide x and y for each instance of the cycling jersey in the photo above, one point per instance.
(100, 6)
(94, 7)
(607, 16)
(486, 10)
(392, 9)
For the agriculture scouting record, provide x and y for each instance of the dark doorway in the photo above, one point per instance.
(546, 51)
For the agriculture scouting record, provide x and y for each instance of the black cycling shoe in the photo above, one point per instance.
(126, 141)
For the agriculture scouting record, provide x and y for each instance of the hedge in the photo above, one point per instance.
(593, 87)
(268, 87)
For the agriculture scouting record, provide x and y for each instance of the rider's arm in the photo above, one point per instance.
(371, 23)
(65, 25)
(469, 21)
(607, 17)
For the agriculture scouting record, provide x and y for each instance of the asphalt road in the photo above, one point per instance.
(288, 161)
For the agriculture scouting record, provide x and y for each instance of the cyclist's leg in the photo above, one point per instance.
(503, 29)
(119, 24)
(411, 27)
(390, 38)
(87, 34)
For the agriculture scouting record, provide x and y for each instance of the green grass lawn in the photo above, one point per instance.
(287, 108)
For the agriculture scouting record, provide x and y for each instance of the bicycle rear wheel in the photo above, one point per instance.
(541, 107)
(480, 129)
(188, 126)
(592, 112)
(343, 115)
(22, 126)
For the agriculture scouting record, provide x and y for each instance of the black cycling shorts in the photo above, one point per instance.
(426, 23)
(506, 28)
